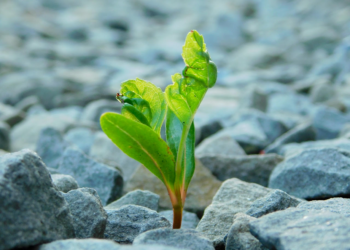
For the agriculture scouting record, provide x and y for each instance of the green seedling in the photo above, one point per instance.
(136, 131)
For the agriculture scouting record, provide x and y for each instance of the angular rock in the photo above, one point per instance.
(106, 180)
(4, 136)
(295, 148)
(314, 174)
(239, 236)
(253, 130)
(219, 146)
(89, 217)
(126, 223)
(305, 228)
(328, 123)
(189, 220)
(276, 200)
(199, 195)
(94, 244)
(83, 138)
(234, 196)
(137, 197)
(64, 183)
(10, 115)
(254, 99)
(27, 103)
(50, 147)
(32, 210)
(26, 133)
(81, 244)
(105, 151)
(206, 128)
(250, 168)
(181, 238)
(301, 133)
(289, 103)
(95, 109)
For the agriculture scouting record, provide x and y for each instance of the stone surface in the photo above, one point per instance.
(50, 147)
(239, 236)
(234, 196)
(89, 217)
(301, 133)
(26, 133)
(189, 220)
(32, 210)
(199, 196)
(95, 109)
(182, 238)
(64, 183)
(137, 197)
(10, 115)
(105, 151)
(80, 244)
(219, 146)
(83, 138)
(106, 180)
(126, 223)
(314, 174)
(4, 136)
(328, 123)
(251, 168)
(274, 201)
(319, 225)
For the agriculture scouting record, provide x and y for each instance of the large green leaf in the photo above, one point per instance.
(141, 143)
(174, 128)
(147, 100)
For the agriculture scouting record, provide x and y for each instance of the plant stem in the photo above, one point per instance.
(177, 217)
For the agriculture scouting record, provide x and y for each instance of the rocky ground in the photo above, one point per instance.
(273, 135)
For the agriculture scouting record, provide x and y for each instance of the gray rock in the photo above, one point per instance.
(301, 133)
(295, 148)
(106, 180)
(126, 223)
(4, 136)
(189, 220)
(328, 122)
(314, 174)
(206, 128)
(289, 103)
(50, 147)
(219, 146)
(274, 201)
(322, 92)
(95, 109)
(10, 115)
(94, 244)
(73, 112)
(253, 130)
(137, 197)
(234, 196)
(83, 138)
(254, 99)
(250, 168)
(239, 236)
(64, 183)
(89, 217)
(27, 103)
(182, 238)
(105, 151)
(81, 244)
(32, 210)
(2, 152)
(325, 227)
(26, 133)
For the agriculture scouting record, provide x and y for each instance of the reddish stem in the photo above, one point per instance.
(177, 217)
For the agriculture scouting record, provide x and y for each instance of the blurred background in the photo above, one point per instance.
(62, 61)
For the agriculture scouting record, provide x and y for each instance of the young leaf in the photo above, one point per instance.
(141, 143)
(186, 93)
(174, 129)
(147, 99)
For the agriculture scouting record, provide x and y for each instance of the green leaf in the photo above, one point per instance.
(146, 98)
(187, 92)
(141, 143)
(174, 129)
